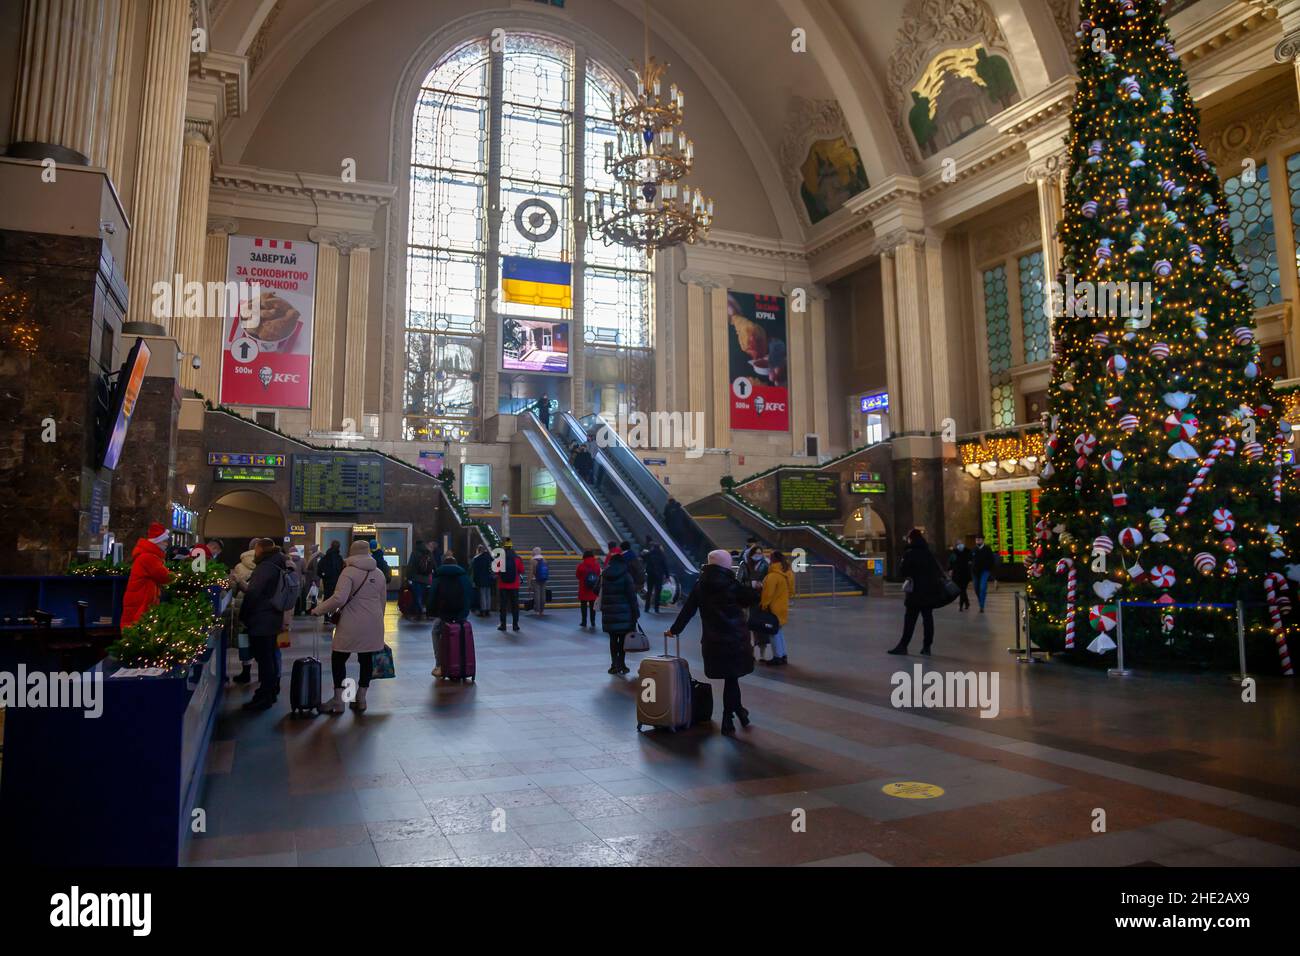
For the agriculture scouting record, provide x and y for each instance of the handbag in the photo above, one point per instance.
(381, 664)
(638, 640)
(763, 623)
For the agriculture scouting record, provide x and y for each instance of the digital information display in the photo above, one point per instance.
(867, 483)
(255, 459)
(338, 483)
(808, 497)
(244, 473)
(476, 486)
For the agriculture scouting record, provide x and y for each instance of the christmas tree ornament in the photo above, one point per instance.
(1166, 613)
(1085, 444)
(1113, 461)
(1204, 562)
(1114, 402)
(1223, 520)
(1130, 87)
(1089, 208)
(1106, 589)
(1137, 573)
(1128, 423)
(1178, 400)
(1103, 617)
(1103, 543)
(1171, 188)
(1274, 541)
(1243, 335)
(1166, 101)
(1159, 350)
(1230, 567)
(1103, 250)
(1164, 268)
(1251, 370)
(1162, 576)
(1066, 566)
(1196, 254)
(1252, 450)
(1130, 538)
(1101, 339)
(1199, 324)
(1157, 525)
(1136, 150)
(1128, 8)
(1136, 242)
(1121, 202)
(1274, 585)
(1117, 365)
(1226, 447)
(1094, 151)
(1101, 644)
(1229, 545)
(1119, 498)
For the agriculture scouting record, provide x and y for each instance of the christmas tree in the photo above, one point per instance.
(1165, 443)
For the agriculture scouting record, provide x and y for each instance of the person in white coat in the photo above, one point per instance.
(359, 598)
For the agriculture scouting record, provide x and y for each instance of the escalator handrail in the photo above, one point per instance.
(577, 480)
(642, 479)
(650, 518)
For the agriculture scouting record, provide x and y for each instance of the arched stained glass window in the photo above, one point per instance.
(472, 148)
(997, 318)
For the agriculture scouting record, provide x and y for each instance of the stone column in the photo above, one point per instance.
(699, 342)
(938, 327)
(121, 93)
(821, 408)
(216, 257)
(191, 243)
(909, 261)
(1288, 51)
(354, 359)
(1047, 176)
(62, 105)
(721, 367)
(158, 157)
(323, 384)
(798, 368)
(889, 318)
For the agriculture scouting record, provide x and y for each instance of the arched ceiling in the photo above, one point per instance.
(740, 50)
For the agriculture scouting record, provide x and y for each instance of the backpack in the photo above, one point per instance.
(592, 582)
(451, 596)
(286, 591)
(423, 563)
(543, 572)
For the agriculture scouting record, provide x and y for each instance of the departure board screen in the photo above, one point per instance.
(334, 483)
(803, 497)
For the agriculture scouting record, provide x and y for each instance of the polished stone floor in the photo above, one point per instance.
(544, 745)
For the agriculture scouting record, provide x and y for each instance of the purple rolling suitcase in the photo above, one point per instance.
(456, 651)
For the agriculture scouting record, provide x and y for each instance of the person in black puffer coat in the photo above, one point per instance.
(618, 607)
(920, 566)
(263, 621)
(728, 654)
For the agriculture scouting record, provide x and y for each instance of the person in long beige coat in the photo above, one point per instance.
(239, 574)
(359, 597)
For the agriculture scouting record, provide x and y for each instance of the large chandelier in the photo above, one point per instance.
(650, 207)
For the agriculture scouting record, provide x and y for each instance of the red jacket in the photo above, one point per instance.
(585, 567)
(144, 586)
(504, 585)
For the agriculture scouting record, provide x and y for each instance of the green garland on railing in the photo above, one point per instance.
(838, 540)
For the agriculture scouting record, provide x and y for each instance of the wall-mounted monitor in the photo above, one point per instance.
(534, 345)
(125, 395)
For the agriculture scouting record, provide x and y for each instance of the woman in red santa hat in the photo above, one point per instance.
(148, 574)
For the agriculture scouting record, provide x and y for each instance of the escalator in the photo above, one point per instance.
(634, 501)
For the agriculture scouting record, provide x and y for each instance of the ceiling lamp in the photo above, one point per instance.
(650, 208)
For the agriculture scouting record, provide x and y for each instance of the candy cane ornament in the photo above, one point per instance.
(1223, 446)
(1071, 594)
(1274, 584)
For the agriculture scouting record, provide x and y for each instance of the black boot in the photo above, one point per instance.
(245, 675)
(728, 726)
(743, 716)
(897, 649)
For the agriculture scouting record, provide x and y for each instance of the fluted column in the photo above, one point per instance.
(1046, 175)
(354, 358)
(889, 318)
(62, 107)
(1288, 51)
(700, 344)
(121, 95)
(158, 155)
(216, 264)
(941, 395)
(819, 386)
(910, 265)
(191, 242)
(721, 368)
(323, 385)
(798, 370)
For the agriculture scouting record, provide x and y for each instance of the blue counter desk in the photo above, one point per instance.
(117, 790)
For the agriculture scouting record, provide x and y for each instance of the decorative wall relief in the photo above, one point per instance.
(931, 28)
(956, 94)
(819, 160)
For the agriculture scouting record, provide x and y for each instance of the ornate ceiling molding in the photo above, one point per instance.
(310, 186)
(344, 242)
(1271, 119)
(705, 280)
(222, 226)
(1229, 27)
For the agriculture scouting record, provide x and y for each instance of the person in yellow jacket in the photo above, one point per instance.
(778, 591)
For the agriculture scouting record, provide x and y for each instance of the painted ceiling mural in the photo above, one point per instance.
(956, 94)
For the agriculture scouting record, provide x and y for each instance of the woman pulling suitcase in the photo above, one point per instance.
(728, 655)
(359, 597)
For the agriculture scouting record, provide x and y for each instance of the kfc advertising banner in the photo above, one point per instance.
(266, 342)
(760, 386)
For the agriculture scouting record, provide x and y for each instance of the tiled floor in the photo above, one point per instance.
(539, 762)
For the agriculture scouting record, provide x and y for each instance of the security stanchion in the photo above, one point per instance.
(1020, 620)
(1024, 655)
(1241, 674)
(1119, 670)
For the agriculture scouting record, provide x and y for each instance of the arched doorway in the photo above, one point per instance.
(239, 516)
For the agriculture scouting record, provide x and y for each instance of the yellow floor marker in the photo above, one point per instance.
(911, 790)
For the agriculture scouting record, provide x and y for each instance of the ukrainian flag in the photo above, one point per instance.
(537, 282)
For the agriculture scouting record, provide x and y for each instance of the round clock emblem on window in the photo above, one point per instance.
(536, 220)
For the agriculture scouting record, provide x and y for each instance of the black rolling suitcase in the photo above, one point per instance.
(304, 684)
(701, 702)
